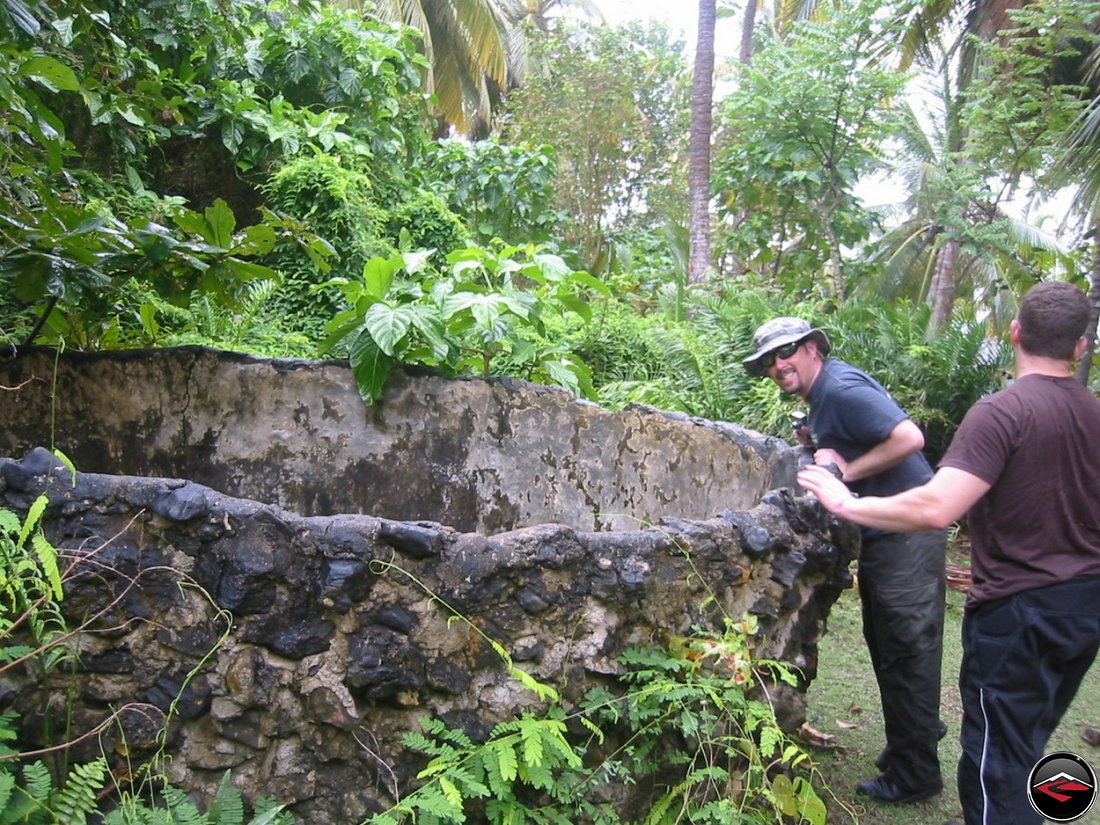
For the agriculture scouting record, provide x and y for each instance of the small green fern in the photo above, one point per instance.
(171, 806)
(38, 802)
(521, 760)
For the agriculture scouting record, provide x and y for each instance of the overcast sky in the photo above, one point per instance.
(682, 16)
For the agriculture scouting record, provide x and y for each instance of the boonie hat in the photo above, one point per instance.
(777, 332)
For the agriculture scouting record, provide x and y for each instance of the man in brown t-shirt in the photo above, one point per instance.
(1025, 464)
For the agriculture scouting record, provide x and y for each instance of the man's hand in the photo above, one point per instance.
(829, 490)
(803, 435)
(824, 457)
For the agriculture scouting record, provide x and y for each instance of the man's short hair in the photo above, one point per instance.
(1052, 317)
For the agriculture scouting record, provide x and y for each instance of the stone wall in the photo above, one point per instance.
(297, 646)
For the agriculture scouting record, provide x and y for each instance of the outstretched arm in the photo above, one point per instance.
(904, 440)
(932, 506)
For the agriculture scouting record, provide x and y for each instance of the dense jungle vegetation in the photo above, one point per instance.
(505, 187)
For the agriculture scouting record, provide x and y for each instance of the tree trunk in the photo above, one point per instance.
(747, 29)
(1094, 297)
(943, 285)
(702, 92)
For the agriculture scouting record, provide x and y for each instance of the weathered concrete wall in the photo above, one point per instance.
(333, 646)
(482, 456)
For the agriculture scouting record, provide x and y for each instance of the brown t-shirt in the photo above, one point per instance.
(1038, 444)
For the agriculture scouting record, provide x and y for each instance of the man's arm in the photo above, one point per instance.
(934, 505)
(904, 440)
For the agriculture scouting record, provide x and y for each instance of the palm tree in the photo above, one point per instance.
(536, 13)
(781, 15)
(530, 18)
(958, 22)
(468, 47)
(702, 117)
(924, 258)
(1079, 164)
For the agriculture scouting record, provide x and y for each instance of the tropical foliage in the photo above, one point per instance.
(803, 126)
(613, 104)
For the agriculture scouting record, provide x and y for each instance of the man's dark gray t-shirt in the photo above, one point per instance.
(851, 412)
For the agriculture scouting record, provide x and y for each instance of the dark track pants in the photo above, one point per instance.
(1024, 657)
(903, 592)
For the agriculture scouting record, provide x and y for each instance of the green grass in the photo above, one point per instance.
(843, 703)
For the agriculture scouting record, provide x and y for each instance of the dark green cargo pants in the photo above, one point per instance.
(903, 591)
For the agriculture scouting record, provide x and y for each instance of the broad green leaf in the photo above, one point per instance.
(552, 266)
(416, 261)
(378, 276)
(562, 374)
(130, 116)
(250, 270)
(576, 304)
(457, 302)
(255, 240)
(370, 366)
(51, 71)
(319, 251)
(783, 792)
(387, 325)
(221, 222)
(519, 303)
(590, 281)
(466, 266)
(148, 315)
(427, 321)
(486, 311)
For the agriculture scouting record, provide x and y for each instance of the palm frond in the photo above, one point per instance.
(1080, 159)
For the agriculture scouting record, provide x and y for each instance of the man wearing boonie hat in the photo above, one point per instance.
(855, 424)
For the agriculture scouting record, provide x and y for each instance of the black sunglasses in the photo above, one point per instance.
(785, 351)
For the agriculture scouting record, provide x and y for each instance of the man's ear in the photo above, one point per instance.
(1014, 332)
(1080, 347)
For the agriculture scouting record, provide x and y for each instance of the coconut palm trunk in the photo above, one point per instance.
(1094, 296)
(944, 288)
(702, 115)
(747, 28)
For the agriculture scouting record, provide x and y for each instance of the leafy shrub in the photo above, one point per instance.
(685, 721)
(489, 306)
(335, 199)
(499, 191)
(425, 222)
(691, 719)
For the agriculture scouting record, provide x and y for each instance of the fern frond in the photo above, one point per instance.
(227, 808)
(79, 796)
(37, 782)
(7, 786)
(180, 809)
(34, 515)
(47, 560)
